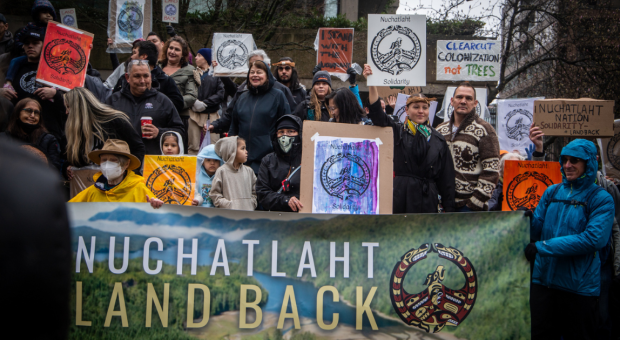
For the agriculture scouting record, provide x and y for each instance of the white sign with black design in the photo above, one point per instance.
(481, 108)
(400, 109)
(610, 150)
(170, 11)
(231, 50)
(68, 17)
(397, 50)
(476, 60)
(514, 119)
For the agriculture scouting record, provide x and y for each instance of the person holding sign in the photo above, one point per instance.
(424, 173)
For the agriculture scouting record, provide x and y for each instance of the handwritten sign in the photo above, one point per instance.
(526, 181)
(170, 11)
(65, 55)
(68, 17)
(335, 49)
(476, 60)
(575, 117)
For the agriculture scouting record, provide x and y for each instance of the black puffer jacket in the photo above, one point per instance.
(254, 118)
(304, 111)
(416, 186)
(211, 92)
(274, 169)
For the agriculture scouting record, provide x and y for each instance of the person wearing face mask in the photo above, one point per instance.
(116, 182)
(423, 165)
(26, 127)
(256, 112)
(278, 183)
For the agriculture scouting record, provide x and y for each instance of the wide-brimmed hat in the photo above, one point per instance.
(115, 147)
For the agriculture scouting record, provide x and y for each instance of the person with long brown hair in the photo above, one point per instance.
(314, 107)
(26, 128)
(89, 124)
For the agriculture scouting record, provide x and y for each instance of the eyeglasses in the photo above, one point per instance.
(332, 108)
(286, 68)
(31, 111)
(140, 62)
(572, 160)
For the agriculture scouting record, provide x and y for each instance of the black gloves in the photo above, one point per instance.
(528, 212)
(316, 69)
(351, 72)
(170, 31)
(530, 252)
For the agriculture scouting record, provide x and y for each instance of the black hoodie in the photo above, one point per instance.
(275, 168)
(254, 118)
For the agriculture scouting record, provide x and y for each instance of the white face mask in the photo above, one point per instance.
(111, 170)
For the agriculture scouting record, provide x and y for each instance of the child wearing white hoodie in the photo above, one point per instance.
(234, 184)
(171, 144)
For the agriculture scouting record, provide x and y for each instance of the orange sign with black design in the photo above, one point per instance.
(526, 181)
(171, 178)
(64, 58)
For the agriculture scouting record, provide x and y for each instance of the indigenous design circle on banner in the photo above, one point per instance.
(518, 124)
(402, 111)
(64, 56)
(171, 184)
(171, 9)
(436, 306)
(130, 18)
(402, 55)
(345, 175)
(532, 194)
(68, 20)
(28, 82)
(613, 151)
(232, 54)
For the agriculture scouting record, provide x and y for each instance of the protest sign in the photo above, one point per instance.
(170, 11)
(128, 20)
(514, 119)
(583, 117)
(171, 178)
(231, 50)
(610, 152)
(526, 181)
(335, 50)
(64, 58)
(346, 168)
(476, 60)
(397, 50)
(186, 272)
(386, 92)
(481, 109)
(82, 178)
(68, 17)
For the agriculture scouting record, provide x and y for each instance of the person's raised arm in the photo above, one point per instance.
(375, 112)
(373, 93)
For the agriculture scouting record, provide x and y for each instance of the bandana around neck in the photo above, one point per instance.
(413, 128)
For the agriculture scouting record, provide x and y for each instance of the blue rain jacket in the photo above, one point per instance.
(567, 240)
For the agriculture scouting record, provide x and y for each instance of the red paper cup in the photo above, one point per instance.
(145, 120)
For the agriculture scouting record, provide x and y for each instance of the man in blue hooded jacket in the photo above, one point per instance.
(570, 227)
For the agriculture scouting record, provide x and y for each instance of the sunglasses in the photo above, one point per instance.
(286, 68)
(31, 111)
(572, 160)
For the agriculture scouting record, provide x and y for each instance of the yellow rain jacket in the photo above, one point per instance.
(131, 189)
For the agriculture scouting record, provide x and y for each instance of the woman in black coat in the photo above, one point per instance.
(423, 164)
(26, 127)
(282, 164)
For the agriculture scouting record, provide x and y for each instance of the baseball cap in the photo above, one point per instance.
(34, 33)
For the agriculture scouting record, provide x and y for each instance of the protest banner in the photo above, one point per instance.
(128, 20)
(397, 50)
(481, 108)
(185, 272)
(514, 119)
(68, 17)
(526, 181)
(64, 58)
(610, 152)
(475, 60)
(231, 50)
(170, 11)
(583, 117)
(335, 50)
(171, 178)
(346, 169)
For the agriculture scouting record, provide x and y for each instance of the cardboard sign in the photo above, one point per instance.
(476, 60)
(64, 58)
(514, 119)
(526, 181)
(610, 152)
(386, 92)
(575, 117)
(171, 178)
(335, 52)
(397, 50)
(82, 179)
(344, 181)
(128, 20)
(231, 50)
(68, 17)
(170, 11)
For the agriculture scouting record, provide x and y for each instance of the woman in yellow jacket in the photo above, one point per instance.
(117, 182)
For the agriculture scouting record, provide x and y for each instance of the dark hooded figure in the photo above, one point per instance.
(277, 185)
(256, 112)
